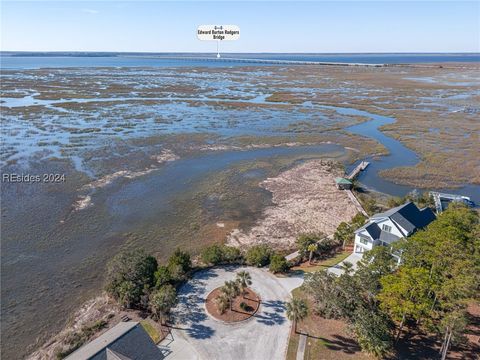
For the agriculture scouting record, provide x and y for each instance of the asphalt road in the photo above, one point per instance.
(199, 336)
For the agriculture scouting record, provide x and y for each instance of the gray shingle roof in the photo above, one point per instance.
(401, 220)
(387, 237)
(373, 230)
(391, 211)
(409, 216)
(126, 340)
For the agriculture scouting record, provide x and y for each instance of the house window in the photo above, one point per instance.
(363, 240)
(386, 228)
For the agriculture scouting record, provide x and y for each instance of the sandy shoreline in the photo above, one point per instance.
(96, 309)
(306, 201)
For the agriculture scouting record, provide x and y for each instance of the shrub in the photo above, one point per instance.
(231, 254)
(395, 201)
(304, 240)
(278, 264)
(162, 276)
(421, 200)
(244, 280)
(222, 303)
(129, 275)
(76, 339)
(258, 255)
(326, 246)
(369, 204)
(177, 273)
(180, 258)
(178, 265)
(358, 220)
(212, 255)
(245, 307)
(219, 254)
(162, 300)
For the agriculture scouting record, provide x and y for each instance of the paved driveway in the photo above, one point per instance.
(352, 259)
(262, 337)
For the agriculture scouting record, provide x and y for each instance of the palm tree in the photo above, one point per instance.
(311, 248)
(297, 310)
(222, 303)
(244, 280)
(161, 301)
(231, 291)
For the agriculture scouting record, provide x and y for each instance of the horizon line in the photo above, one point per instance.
(233, 52)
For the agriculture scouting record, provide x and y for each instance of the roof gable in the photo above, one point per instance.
(112, 355)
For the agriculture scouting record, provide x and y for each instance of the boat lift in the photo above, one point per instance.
(442, 199)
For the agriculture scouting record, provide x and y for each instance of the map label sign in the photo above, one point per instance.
(218, 32)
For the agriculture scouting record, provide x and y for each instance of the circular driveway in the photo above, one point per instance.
(196, 335)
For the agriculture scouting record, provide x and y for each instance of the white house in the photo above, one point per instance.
(390, 226)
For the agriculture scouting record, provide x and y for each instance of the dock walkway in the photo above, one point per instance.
(356, 202)
(360, 167)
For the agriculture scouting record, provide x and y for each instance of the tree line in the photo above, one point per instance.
(135, 279)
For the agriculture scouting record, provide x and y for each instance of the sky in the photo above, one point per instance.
(285, 26)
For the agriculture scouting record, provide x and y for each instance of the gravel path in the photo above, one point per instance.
(264, 336)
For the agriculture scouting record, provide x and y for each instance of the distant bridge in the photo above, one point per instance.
(267, 61)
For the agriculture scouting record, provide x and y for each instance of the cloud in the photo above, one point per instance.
(90, 11)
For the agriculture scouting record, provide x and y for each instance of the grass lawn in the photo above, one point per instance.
(152, 330)
(322, 264)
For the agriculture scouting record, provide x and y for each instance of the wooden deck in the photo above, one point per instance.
(360, 167)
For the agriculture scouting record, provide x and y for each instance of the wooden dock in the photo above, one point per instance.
(360, 167)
